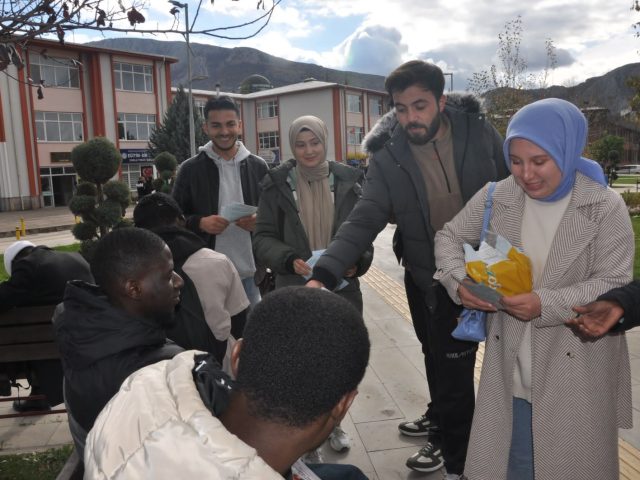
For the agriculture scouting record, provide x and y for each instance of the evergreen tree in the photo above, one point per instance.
(173, 134)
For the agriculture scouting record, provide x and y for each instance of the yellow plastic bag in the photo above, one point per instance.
(499, 266)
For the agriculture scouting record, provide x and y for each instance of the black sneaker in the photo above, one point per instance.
(31, 405)
(420, 427)
(427, 459)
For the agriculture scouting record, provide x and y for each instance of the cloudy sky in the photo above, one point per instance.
(591, 37)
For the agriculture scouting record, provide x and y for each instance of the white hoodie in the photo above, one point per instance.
(234, 242)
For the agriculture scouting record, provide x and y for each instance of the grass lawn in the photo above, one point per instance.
(74, 247)
(627, 180)
(38, 465)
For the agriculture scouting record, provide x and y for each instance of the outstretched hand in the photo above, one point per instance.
(595, 319)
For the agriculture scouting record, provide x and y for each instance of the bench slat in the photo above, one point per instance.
(26, 334)
(29, 351)
(27, 315)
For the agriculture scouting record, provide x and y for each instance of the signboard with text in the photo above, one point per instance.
(136, 155)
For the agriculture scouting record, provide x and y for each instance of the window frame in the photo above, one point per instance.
(48, 122)
(132, 74)
(39, 64)
(351, 96)
(270, 107)
(358, 133)
(126, 120)
(271, 137)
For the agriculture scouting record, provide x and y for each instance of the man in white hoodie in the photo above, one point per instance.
(223, 173)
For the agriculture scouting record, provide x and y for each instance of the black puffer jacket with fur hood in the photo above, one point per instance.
(395, 189)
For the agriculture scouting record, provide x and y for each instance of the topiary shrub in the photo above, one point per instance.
(99, 201)
(166, 164)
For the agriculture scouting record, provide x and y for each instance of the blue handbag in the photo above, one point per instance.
(472, 324)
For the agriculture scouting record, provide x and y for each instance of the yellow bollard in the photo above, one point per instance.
(17, 233)
(23, 227)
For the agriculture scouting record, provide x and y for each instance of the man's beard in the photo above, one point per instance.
(224, 149)
(431, 131)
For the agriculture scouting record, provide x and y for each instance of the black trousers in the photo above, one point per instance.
(449, 365)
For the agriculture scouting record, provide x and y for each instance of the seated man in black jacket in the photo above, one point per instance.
(618, 310)
(213, 304)
(38, 276)
(108, 331)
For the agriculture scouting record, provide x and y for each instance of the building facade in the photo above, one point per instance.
(349, 113)
(63, 96)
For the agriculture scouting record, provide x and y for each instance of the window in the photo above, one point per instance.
(375, 107)
(59, 127)
(54, 72)
(135, 126)
(135, 78)
(268, 140)
(355, 135)
(199, 108)
(268, 109)
(354, 103)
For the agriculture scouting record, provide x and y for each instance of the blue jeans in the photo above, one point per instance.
(521, 452)
(252, 291)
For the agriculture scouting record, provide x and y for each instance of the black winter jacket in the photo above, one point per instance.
(395, 189)
(100, 346)
(628, 297)
(40, 278)
(197, 185)
(280, 237)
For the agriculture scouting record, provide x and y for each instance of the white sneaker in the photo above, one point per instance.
(314, 456)
(453, 476)
(339, 440)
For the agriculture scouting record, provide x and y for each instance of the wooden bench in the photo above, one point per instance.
(26, 334)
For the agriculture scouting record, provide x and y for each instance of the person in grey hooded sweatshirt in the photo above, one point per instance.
(223, 172)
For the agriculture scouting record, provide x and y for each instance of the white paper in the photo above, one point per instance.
(234, 211)
(300, 471)
(315, 256)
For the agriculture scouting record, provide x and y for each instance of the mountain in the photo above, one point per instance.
(609, 90)
(230, 66)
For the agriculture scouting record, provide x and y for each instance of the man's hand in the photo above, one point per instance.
(525, 306)
(314, 284)
(213, 224)
(470, 301)
(301, 267)
(247, 223)
(351, 272)
(595, 319)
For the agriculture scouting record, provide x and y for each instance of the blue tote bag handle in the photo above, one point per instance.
(472, 324)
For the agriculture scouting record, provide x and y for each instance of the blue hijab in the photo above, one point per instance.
(560, 129)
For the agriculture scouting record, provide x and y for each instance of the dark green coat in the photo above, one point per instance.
(280, 237)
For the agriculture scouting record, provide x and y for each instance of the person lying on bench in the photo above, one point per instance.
(298, 366)
(107, 331)
(38, 276)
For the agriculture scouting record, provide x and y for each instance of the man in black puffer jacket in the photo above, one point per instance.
(107, 331)
(428, 158)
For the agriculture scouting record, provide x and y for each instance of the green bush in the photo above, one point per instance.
(96, 160)
(99, 201)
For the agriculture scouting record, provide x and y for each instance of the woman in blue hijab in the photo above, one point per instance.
(549, 403)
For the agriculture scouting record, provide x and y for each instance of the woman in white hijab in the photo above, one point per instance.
(303, 203)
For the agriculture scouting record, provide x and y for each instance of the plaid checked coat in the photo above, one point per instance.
(581, 391)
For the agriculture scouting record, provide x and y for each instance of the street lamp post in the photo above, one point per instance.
(192, 127)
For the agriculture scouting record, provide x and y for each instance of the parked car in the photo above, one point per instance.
(627, 169)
